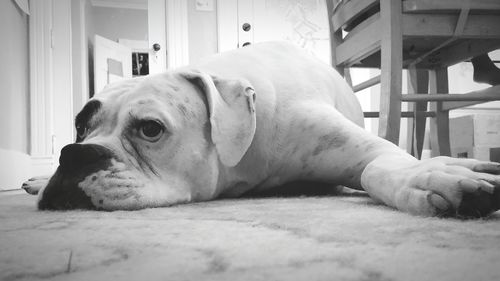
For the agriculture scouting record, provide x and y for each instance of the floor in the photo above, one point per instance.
(300, 238)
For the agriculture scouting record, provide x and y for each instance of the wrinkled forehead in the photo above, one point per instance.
(166, 91)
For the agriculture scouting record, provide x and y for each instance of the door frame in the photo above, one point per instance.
(41, 87)
(168, 26)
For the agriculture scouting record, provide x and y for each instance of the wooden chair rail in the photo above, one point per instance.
(404, 114)
(445, 25)
(448, 97)
(443, 6)
(367, 84)
(346, 12)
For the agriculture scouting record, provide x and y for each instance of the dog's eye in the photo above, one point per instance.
(151, 130)
(81, 131)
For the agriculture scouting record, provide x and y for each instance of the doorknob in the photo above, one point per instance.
(246, 27)
(156, 47)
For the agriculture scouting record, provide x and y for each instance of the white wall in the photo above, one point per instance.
(115, 23)
(460, 76)
(14, 96)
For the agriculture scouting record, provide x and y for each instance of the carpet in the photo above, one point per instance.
(299, 238)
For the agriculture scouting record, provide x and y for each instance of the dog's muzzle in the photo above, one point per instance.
(75, 163)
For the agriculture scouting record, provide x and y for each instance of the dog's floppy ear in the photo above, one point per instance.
(231, 106)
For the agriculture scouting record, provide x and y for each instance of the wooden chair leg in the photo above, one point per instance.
(347, 76)
(391, 70)
(418, 83)
(335, 37)
(439, 125)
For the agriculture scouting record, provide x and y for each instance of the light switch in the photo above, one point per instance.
(204, 5)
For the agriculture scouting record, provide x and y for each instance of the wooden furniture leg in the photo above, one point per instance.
(335, 38)
(439, 125)
(391, 73)
(418, 83)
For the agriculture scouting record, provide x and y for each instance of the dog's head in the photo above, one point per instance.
(154, 141)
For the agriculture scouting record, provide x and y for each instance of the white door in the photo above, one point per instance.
(59, 49)
(168, 34)
(157, 36)
(165, 31)
(112, 62)
(304, 23)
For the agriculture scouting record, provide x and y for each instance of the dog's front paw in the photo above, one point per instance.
(456, 187)
(33, 185)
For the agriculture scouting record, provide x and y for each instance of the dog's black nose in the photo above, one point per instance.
(77, 161)
(63, 193)
(75, 156)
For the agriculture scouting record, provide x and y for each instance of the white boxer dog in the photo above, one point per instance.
(250, 119)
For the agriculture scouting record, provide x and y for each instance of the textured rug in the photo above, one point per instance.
(302, 238)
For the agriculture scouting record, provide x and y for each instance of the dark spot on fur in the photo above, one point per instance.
(309, 175)
(370, 147)
(182, 109)
(240, 136)
(94, 178)
(353, 174)
(304, 157)
(295, 149)
(330, 141)
(305, 166)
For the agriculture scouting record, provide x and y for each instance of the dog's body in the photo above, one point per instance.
(250, 119)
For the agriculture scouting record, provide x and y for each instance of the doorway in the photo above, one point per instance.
(62, 38)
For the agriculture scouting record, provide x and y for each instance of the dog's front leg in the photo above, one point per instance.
(437, 186)
(35, 184)
(347, 154)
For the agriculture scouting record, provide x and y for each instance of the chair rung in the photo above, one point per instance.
(488, 94)
(404, 114)
(367, 84)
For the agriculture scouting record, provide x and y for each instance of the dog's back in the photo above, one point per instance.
(297, 74)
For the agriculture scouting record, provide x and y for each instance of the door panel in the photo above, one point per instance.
(304, 23)
(157, 35)
(112, 62)
(245, 22)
